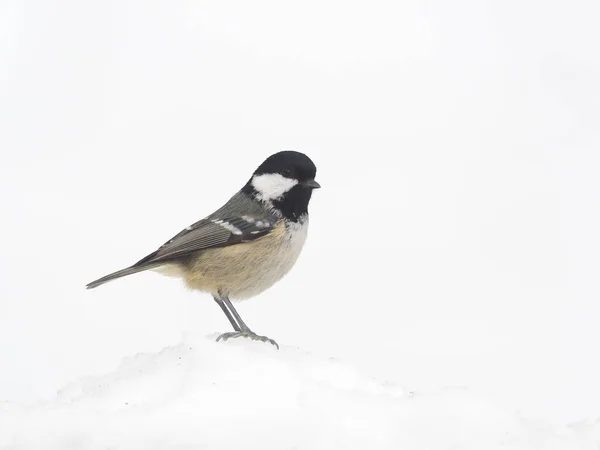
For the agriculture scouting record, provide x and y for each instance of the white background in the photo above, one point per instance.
(455, 240)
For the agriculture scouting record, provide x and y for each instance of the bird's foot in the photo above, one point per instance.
(246, 334)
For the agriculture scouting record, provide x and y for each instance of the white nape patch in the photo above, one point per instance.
(271, 186)
(227, 226)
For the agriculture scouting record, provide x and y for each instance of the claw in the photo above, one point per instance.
(247, 334)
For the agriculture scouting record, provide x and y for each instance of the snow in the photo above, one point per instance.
(454, 242)
(243, 394)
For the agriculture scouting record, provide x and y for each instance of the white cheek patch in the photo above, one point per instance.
(271, 186)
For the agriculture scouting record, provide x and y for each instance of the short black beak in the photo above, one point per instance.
(312, 184)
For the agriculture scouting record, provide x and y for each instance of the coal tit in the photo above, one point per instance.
(247, 245)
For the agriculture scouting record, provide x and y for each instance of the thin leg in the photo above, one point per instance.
(242, 330)
(219, 301)
(239, 320)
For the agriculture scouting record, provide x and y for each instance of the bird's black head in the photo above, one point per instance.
(284, 180)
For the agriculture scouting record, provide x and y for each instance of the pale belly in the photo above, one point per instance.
(244, 270)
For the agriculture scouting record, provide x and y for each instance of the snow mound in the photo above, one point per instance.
(244, 394)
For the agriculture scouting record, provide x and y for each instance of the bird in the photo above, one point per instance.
(244, 247)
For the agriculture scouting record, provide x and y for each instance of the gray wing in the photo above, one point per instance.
(209, 233)
(222, 228)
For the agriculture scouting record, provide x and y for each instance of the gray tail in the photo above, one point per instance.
(120, 273)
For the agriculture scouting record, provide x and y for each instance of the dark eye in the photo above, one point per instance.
(286, 172)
